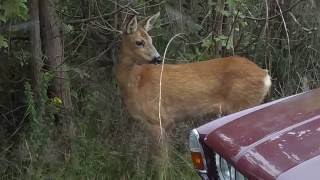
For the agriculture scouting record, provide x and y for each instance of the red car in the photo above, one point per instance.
(278, 140)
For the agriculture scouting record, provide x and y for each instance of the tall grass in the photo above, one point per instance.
(108, 144)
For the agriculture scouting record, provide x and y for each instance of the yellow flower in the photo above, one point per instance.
(57, 101)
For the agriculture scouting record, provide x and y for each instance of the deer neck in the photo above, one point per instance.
(123, 70)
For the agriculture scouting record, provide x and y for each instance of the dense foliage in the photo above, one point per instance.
(63, 117)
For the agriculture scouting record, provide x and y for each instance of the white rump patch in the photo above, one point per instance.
(267, 83)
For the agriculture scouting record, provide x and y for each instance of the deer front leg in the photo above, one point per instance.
(158, 148)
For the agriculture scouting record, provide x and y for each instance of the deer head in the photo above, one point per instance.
(137, 43)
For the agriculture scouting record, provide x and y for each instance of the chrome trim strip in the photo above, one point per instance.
(232, 170)
(217, 161)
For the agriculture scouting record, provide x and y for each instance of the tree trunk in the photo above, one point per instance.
(218, 26)
(54, 51)
(36, 56)
(50, 30)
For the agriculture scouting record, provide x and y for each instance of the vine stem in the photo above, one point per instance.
(160, 81)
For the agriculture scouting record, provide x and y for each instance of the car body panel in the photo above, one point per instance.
(282, 152)
(205, 129)
(268, 140)
(307, 170)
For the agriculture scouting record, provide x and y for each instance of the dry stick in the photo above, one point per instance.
(160, 82)
(309, 30)
(201, 41)
(28, 150)
(275, 16)
(287, 34)
(110, 28)
(267, 18)
(104, 15)
(232, 30)
(73, 40)
(151, 6)
(270, 18)
(265, 33)
(80, 43)
(126, 6)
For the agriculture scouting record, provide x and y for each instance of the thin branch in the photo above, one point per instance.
(106, 25)
(267, 18)
(278, 15)
(80, 43)
(201, 41)
(265, 33)
(78, 21)
(160, 81)
(65, 14)
(151, 6)
(126, 6)
(232, 31)
(299, 24)
(287, 34)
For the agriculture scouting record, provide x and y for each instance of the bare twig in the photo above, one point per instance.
(27, 146)
(107, 26)
(73, 40)
(110, 28)
(81, 41)
(267, 18)
(150, 6)
(201, 41)
(278, 15)
(65, 14)
(287, 34)
(309, 30)
(126, 6)
(78, 21)
(265, 33)
(232, 30)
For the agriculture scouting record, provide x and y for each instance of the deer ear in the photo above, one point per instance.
(148, 23)
(132, 25)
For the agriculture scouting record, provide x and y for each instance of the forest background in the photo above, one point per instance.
(61, 115)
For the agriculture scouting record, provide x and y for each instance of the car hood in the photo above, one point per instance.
(270, 139)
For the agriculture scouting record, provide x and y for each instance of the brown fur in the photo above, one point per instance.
(189, 91)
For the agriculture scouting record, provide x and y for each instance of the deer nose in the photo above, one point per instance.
(156, 60)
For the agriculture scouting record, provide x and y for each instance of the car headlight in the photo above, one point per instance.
(196, 150)
(226, 171)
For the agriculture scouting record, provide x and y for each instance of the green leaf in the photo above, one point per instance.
(15, 8)
(243, 24)
(3, 18)
(207, 43)
(230, 43)
(232, 3)
(225, 41)
(221, 38)
(67, 28)
(226, 13)
(81, 73)
(3, 42)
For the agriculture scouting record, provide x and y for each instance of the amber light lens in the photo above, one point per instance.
(197, 160)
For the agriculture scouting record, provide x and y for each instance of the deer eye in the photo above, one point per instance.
(140, 43)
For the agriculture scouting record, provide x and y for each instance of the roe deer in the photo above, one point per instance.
(190, 90)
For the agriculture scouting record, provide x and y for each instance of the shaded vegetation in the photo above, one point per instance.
(65, 120)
